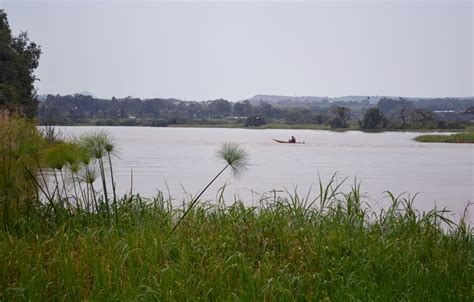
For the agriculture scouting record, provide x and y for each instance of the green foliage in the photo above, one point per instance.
(234, 155)
(18, 59)
(255, 121)
(388, 105)
(374, 119)
(99, 145)
(243, 108)
(86, 110)
(341, 116)
(58, 155)
(286, 249)
(60, 174)
(298, 115)
(465, 137)
(220, 108)
(96, 143)
(20, 144)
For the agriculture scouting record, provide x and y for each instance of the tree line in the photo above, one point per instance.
(162, 112)
(388, 113)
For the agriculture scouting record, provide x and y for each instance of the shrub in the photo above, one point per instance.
(20, 144)
(374, 119)
(255, 121)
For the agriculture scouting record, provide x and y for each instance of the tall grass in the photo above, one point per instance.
(464, 137)
(19, 146)
(286, 248)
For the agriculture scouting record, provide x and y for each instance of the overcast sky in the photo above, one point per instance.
(208, 50)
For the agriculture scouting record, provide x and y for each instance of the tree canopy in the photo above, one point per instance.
(19, 57)
(341, 116)
(374, 119)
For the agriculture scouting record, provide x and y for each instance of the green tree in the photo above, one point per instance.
(387, 105)
(341, 117)
(220, 108)
(18, 59)
(298, 116)
(423, 118)
(242, 108)
(255, 121)
(374, 119)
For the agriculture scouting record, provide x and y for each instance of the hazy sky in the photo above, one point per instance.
(234, 50)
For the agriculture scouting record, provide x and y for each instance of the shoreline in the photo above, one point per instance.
(276, 127)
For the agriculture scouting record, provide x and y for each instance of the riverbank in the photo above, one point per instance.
(459, 138)
(284, 249)
(233, 124)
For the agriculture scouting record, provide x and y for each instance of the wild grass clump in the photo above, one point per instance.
(461, 138)
(328, 247)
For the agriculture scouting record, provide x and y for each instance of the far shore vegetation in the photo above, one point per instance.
(388, 114)
(240, 123)
(460, 138)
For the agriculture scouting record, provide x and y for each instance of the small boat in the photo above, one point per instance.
(287, 142)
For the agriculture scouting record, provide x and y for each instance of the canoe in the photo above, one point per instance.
(287, 142)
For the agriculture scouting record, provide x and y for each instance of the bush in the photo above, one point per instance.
(374, 119)
(20, 144)
(255, 121)
(159, 123)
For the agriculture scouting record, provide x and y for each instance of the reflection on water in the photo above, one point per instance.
(183, 160)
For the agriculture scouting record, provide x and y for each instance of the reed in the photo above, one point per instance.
(286, 248)
(234, 157)
(96, 144)
(110, 149)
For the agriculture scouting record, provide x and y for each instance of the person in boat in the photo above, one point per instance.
(292, 140)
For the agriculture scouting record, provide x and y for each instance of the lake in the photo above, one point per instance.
(181, 161)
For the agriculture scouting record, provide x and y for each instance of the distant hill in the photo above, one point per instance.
(283, 100)
(289, 101)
